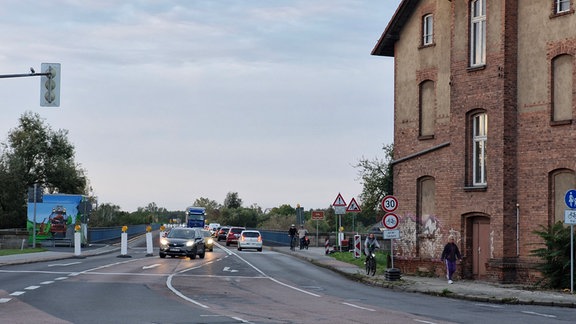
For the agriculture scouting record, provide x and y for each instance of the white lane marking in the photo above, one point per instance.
(64, 264)
(17, 293)
(47, 282)
(178, 293)
(5, 300)
(228, 269)
(61, 278)
(151, 266)
(267, 276)
(32, 287)
(489, 305)
(360, 307)
(232, 317)
(539, 314)
(421, 321)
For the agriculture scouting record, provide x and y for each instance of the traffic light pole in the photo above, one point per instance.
(5, 76)
(49, 83)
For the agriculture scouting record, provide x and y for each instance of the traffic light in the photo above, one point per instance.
(50, 85)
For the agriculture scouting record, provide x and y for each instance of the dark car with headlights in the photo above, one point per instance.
(222, 233)
(183, 241)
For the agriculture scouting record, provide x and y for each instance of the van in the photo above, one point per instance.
(212, 227)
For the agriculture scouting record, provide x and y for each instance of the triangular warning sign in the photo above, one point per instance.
(353, 207)
(339, 201)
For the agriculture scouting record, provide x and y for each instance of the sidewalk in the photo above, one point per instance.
(462, 289)
(57, 254)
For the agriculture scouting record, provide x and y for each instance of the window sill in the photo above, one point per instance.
(476, 188)
(560, 122)
(422, 46)
(560, 14)
(426, 137)
(476, 68)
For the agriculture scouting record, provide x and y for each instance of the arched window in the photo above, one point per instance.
(562, 85)
(427, 109)
(479, 149)
(560, 182)
(427, 30)
(426, 205)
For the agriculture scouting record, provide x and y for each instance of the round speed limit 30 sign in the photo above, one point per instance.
(389, 204)
(390, 221)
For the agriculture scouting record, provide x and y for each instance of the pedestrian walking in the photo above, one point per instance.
(450, 255)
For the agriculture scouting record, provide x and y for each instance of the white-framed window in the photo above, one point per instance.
(562, 5)
(477, 32)
(427, 30)
(479, 140)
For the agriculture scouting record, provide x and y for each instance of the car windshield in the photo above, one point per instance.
(206, 233)
(183, 234)
(251, 234)
(236, 230)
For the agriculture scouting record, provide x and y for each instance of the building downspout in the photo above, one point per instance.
(517, 229)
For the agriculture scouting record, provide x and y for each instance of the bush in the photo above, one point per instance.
(556, 256)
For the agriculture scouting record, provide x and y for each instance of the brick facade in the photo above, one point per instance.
(493, 224)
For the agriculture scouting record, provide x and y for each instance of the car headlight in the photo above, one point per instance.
(190, 243)
(163, 241)
(210, 241)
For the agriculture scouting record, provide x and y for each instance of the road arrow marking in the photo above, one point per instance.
(228, 269)
(151, 266)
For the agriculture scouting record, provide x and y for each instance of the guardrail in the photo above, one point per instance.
(103, 234)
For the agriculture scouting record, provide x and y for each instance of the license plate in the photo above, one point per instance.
(175, 249)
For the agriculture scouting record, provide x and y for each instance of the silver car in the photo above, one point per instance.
(250, 239)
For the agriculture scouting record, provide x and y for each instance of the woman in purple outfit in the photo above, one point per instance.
(450, 254)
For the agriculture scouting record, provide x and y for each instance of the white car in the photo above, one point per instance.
(250, 239)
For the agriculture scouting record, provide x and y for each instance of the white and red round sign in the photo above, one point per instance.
(389, 204)
(390, 221)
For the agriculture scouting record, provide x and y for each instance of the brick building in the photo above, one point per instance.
(484, 135)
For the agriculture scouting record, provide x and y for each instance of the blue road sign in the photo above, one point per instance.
(570, 198)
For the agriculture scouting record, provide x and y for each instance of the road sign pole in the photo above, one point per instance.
(392, 253)
(34, 225)
(572, 258)
(317, 233)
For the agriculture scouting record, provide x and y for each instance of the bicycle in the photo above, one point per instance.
(371, 263)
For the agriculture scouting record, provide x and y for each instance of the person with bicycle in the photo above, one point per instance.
(370, 244)
(292, 232)
(302, 232)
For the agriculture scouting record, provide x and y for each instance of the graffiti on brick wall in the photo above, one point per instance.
(430, 241)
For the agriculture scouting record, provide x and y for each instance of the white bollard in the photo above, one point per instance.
(149, 245)
(77, 243)
(124, 245)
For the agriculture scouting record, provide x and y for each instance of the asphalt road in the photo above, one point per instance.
(227, 286)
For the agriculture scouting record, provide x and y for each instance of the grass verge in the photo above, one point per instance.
(348, 257)
(20, 251)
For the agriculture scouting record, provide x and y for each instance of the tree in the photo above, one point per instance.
(232, 201)
(555, 255)
(106, 215)
(376, 177)
(34, 153)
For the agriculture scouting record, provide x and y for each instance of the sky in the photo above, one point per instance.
(169, 101)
